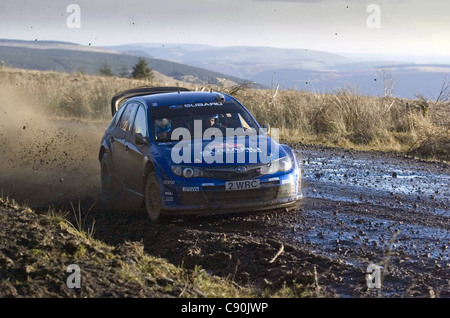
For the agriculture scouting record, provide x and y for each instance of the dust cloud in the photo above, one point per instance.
(45, 160)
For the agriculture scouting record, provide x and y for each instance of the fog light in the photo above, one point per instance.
(188, 172)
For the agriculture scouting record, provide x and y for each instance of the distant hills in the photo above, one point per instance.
(240, 61)
(303, 69)
(408, 79)
(70, 57)
(300, 69)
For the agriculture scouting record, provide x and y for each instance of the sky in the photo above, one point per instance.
(388, 27)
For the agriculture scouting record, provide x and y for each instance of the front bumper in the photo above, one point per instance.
(234, 207)
(212, 198)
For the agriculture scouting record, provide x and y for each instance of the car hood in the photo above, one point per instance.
(240, 150)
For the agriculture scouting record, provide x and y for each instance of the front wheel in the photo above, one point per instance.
(152, 197)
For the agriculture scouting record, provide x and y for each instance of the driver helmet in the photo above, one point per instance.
(163, 125)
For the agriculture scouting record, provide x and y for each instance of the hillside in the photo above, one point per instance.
(240, 61)
(408, 79)
(303, 69)
(299, 69)
(69, 57)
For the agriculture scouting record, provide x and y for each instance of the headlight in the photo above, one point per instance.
(284, 164)
(188, 172)
(177, 170)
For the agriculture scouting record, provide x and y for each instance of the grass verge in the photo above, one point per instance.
(36, 250)
(342, 119)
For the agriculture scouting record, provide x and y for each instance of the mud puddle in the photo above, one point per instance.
(378, 180)
(368, 208)
(336, 235)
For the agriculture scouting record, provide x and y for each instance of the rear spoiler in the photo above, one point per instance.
(121, 97)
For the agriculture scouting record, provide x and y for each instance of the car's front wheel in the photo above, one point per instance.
(152, 197)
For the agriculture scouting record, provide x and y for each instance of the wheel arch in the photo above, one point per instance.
(149, 168)
(101, 152)
(104, 148)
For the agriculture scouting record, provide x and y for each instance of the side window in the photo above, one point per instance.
(140, 123)
(127, 118)
(118, 114)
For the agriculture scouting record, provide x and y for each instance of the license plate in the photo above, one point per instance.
(242, 185)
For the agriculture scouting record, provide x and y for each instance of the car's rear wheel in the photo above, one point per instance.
(106, 177)
(112, 191)
(152, 197)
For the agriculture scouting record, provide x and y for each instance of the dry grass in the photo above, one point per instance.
(342, 119)
(68, 95)
(346, 119)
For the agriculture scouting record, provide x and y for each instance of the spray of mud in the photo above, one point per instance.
(44, 160)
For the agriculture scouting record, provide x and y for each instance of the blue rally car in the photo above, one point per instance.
(177, 151)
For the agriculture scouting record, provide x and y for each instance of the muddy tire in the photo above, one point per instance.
(110, 188)
(106, 177)
(152, 197)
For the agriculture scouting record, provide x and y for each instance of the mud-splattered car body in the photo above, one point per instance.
(156, 152)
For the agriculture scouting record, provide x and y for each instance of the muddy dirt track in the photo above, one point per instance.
(359, 208)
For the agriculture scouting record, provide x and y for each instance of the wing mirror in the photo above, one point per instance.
(266, 128)
(139, 139)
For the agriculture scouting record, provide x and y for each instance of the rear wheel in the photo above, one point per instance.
(152, 197)
(113, 195)
(108, 187)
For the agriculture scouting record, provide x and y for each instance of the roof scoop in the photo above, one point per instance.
(220, 98)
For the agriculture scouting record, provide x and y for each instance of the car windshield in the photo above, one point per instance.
(197, 118)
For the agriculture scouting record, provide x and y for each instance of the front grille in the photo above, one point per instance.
(250, 195)
(230, 173)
